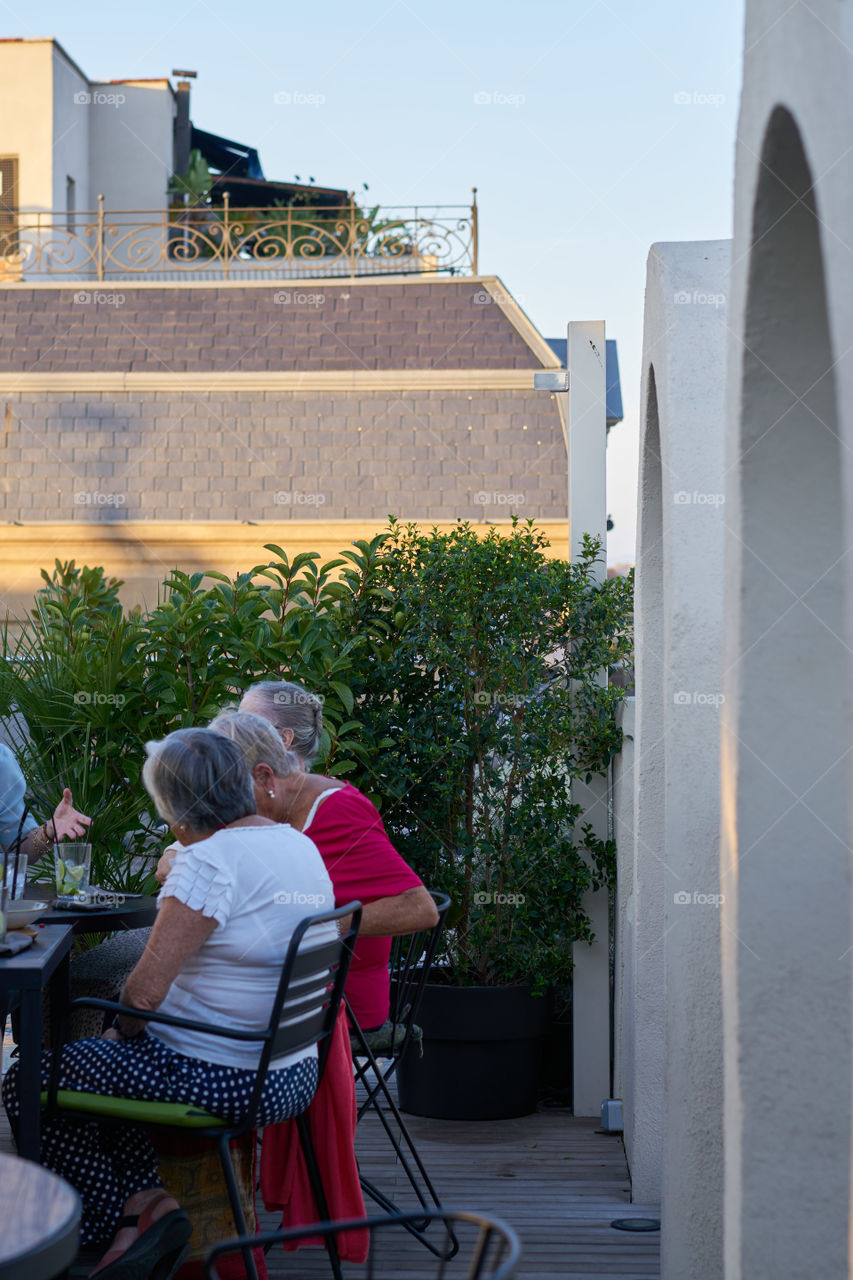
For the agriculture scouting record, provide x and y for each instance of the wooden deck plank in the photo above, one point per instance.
(551, 1176)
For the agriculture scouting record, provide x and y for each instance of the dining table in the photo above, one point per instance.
(110, 912)
(44, 966)
(41, 1221)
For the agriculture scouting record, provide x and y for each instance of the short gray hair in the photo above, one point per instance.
(198, 778)
(258, 741)
(289, 706)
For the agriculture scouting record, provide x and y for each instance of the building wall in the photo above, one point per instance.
(130, 127)
(26, 117)
(427, 455)
(72, 95)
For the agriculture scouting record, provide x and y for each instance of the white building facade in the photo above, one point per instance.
(70, 139)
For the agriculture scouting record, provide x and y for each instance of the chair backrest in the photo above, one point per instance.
(310, 990)
(489, 1248)
(412, 955)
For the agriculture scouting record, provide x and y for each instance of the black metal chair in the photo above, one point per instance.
(411, 958)
(490, 1249)
(304, 1013)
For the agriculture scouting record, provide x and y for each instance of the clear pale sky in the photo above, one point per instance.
(592, 128)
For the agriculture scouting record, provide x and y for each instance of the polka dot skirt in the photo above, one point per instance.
(109, 1163)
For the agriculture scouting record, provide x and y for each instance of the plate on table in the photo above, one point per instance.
(20, 913)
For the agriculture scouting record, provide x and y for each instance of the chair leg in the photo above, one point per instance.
(374, 1099)
(236, 1207)
(306, 1142)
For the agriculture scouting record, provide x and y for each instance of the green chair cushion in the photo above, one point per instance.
(179, 1114)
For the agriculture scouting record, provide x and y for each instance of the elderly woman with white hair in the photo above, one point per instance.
(215, 955)
(346, 828)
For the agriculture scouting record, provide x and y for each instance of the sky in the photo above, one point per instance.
(591, 128)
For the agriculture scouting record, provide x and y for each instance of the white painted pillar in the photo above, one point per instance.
(588, 514)
(623, 832)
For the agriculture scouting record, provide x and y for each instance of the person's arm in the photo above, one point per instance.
(164, 866)
(403, 913)
(178, 932)
(66, 824)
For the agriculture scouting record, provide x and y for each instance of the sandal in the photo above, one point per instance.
(157, 1251)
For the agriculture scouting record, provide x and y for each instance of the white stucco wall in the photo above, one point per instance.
(70, 148)
(685, 337)
(131, 136)
(623, 831)
(787, 729)
(671, 1052)
(641, 897)
(26, 117)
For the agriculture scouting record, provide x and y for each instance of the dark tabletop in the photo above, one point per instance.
(127, 913)
(41, 1215)
(31, 969)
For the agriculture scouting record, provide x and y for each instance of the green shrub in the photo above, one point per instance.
(461, 679)
(482, 705)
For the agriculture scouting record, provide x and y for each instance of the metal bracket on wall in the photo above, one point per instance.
(551, 380)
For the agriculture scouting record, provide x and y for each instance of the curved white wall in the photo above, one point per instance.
(787, 732)
(677, 1049)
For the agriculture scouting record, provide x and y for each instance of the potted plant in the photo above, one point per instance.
(484, 703)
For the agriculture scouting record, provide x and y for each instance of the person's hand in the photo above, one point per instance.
(111, 1033)
(68, 824)
(164, 866)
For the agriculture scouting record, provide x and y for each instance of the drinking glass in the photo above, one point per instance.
(72, 861)
(16, 875)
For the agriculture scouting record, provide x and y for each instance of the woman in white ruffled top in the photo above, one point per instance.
(239, 886)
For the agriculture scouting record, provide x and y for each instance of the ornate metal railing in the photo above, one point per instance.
(225, 243)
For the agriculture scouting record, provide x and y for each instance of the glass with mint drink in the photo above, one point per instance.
(71, 862)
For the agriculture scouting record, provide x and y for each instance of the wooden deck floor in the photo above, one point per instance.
(551, 1176)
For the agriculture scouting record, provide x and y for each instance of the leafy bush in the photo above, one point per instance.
(461, 679)
(483, 704)
(93, 685)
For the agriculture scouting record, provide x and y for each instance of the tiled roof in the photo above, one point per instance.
(117, 327)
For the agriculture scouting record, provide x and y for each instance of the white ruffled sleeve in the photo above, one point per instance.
(202, 880)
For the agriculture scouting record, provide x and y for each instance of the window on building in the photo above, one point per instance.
(70, 202)
(8, 205)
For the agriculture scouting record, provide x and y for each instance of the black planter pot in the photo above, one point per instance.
(482, 1050)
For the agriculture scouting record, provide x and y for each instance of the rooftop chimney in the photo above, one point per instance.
(181, 145)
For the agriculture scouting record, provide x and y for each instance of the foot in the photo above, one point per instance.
(140, 1212)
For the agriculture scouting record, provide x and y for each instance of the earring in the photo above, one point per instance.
(271, 795)
(182, 826)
